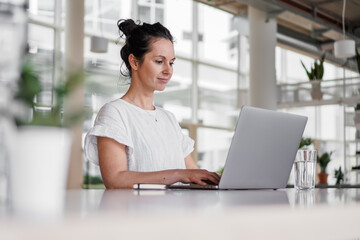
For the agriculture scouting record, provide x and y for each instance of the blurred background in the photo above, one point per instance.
(211, 73)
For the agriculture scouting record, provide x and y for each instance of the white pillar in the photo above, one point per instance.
(74, 35)
(194, 87)
(74, 61)
(262, 40)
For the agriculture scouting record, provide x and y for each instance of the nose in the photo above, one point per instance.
(168, 69)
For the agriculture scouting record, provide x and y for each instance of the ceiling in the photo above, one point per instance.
(317, 23)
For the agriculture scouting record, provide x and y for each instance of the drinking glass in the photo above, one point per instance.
(305, 167)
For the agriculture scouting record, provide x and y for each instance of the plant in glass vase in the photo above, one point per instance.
(315, 76)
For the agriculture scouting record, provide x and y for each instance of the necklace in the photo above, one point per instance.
(151, 113)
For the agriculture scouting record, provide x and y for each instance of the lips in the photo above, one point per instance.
(164, 80)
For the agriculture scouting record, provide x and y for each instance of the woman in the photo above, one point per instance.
(132, 140)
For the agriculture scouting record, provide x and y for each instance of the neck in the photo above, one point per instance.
(139, 98)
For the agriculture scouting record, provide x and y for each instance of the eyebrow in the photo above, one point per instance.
(165, 57)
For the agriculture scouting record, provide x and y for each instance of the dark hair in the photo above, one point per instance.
(138, 40)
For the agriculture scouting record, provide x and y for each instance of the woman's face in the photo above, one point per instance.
(157, 68)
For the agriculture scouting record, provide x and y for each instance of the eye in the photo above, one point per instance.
(158, 61)
(172, 64)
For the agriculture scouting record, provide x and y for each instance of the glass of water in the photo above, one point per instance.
(305, 169)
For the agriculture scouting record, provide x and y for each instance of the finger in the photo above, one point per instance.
(201, 182)
(204, 177)
(209, 181)
(208, 177)
(214, 176)
(213, 180)
(207, 172)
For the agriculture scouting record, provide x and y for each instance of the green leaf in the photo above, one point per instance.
(220, 171)
(339, 175)
(324, 160)
(321, 69)
(357, 107)
(307, 72)
(357, 59)
(305, 142)
(29, 85)
(317, 70)
(322, 59)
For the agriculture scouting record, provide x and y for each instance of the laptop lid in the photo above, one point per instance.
(263, 149)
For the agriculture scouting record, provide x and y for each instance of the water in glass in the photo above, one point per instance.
(304, 174)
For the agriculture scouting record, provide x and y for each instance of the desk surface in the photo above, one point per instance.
(180, 214)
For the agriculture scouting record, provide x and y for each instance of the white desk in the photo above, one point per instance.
(196, 214)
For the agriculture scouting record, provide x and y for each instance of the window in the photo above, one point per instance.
(101, 16)
(42, 10)
(151, 11)
(213, 146)
(215, 26)
(180, 29)
(217, 96)
(41, 47)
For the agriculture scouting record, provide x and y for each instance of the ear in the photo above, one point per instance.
(134, 63)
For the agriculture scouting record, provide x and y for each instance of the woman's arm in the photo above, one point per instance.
(190, 163)
(113, 166)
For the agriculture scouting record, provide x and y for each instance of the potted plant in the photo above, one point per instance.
(323, 161)
(339, 175)
(305, 142)
(43, 144)
(29, 87)
(357, 59)
(315, 76)
(357, 116)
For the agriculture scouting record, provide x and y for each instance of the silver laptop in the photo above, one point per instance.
(262, 150)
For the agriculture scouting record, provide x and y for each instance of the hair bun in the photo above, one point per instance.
(139, 38)
(126, 26)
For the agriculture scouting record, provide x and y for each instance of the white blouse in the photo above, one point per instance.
(153, 138)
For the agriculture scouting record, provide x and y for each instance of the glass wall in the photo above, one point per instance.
(216, 78)
(179, 19)
(211, 71)
(42, 10)
(326, 123)
(217, 96)
(216, 42)
(212, 147)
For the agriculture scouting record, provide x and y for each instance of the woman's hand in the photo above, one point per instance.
(198, 176)
(113, 166)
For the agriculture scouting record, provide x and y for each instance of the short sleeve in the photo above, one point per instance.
(187, 144)
(109, 123)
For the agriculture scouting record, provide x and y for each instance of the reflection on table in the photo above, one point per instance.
(183, 214)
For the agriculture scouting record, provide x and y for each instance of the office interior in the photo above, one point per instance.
(213, 67)
(228, 54)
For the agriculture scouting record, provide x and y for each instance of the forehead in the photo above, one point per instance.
(162, 47)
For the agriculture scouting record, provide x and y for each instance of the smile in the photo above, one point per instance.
(164, 80)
